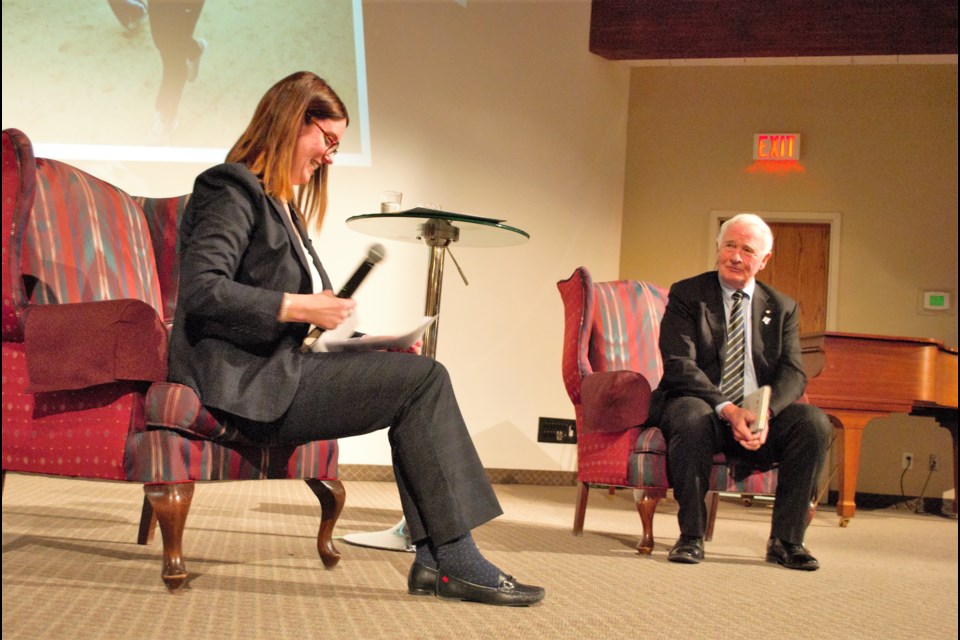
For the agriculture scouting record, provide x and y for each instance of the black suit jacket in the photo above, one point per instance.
(238, 254)
(693, 339)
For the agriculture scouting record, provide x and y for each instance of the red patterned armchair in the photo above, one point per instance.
(89, 291)
(611, 364)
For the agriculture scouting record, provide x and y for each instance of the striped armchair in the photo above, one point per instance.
(611, 364)
(89, 291)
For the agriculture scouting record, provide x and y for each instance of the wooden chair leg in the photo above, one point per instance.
(148, 522)
(580, 511)
(646, 501)
(332, 497)
(713, 501)
(171, 503)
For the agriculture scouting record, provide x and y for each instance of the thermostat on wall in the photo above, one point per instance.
(936, 300)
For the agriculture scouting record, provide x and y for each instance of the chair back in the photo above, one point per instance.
(625, 330)
(610, 326)
(84, 240)
(163, 219)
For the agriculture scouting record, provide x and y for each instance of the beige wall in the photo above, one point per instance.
(879, 148)
(494, 109)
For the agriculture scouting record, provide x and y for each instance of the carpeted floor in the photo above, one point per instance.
(72, 569)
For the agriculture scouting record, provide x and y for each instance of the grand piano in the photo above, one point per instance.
(856, 378)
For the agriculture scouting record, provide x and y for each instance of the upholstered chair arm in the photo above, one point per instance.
(614, 401)
(82, 344)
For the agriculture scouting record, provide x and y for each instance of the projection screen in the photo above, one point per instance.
(82, 79)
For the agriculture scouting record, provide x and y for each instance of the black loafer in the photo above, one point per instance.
(791, 556)
(422, 580)
(686, 550)
(508, 592)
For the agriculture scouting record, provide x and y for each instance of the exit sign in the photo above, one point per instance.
(776, 146)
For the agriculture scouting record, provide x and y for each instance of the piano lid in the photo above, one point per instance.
(878, 373)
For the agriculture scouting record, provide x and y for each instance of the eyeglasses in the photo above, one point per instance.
(333, 145)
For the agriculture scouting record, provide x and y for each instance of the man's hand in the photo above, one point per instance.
(741, 421)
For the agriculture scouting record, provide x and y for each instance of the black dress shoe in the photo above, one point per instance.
(791, 556)
(508, 591)
(686, 550)
(422, 580)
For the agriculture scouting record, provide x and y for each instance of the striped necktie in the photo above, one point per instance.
(731, 384)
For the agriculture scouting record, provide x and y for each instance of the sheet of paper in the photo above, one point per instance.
(337, 340)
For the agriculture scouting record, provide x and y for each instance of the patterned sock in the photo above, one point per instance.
(425, 555)
(461, 559)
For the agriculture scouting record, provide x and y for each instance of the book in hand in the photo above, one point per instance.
(758, 403)
(331, 341)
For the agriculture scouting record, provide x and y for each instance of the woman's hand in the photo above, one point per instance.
(322, 309)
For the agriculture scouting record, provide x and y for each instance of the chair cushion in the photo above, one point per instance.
(167, 456)
(651, 440)
(647, 467)
(647, 462)
(185, 441)
(74, 346)
(739, 478)
(176, 406)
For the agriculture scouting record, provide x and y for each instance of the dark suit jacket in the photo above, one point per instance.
(693, 339)
(238, 254)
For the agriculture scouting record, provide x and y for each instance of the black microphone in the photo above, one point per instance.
(375, 254)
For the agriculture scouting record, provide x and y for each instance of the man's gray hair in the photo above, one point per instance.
(752, 220)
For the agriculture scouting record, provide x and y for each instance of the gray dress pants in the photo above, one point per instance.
(798, 442)
(444, 490)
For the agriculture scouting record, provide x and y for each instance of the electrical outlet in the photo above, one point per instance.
(557, 430)
(934, 462)
(906, 461)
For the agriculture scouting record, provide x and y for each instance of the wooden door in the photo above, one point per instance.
(800, 268)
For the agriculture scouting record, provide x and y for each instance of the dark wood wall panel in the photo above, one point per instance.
(673, 29)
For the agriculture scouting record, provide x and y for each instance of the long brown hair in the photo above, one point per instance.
(267, 146)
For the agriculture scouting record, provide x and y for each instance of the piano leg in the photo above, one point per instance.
(953, 434)
(849, 426)
(946, 417)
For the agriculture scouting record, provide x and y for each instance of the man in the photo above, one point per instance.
(697, 402)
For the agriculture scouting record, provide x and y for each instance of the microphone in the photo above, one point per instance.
(375, 254)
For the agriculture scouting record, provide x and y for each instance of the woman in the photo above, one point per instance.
(247, 298)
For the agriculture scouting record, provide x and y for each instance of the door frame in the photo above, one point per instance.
(802, 217)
